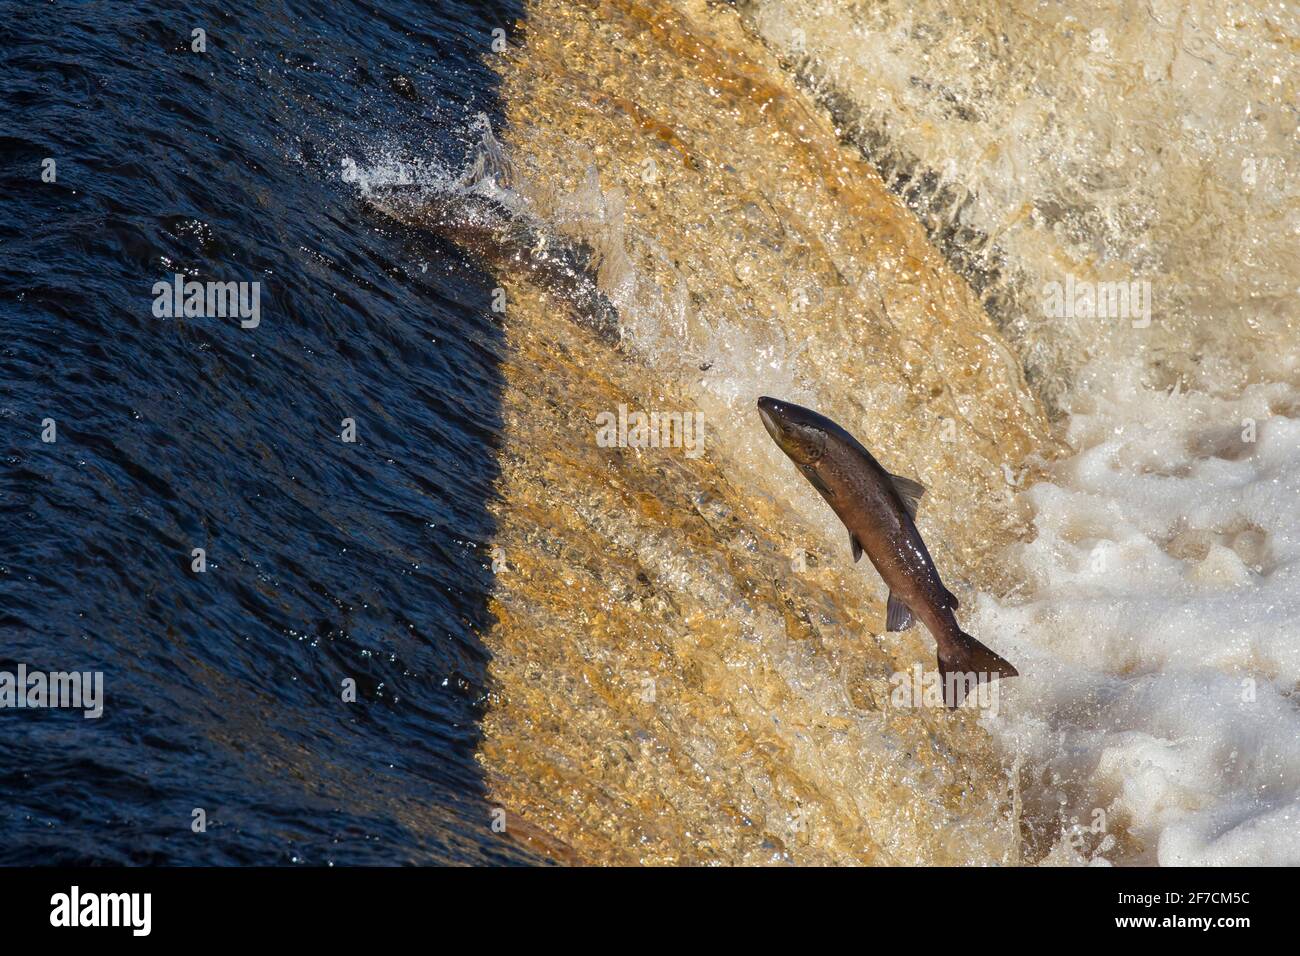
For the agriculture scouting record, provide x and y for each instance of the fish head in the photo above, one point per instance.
(797, 431)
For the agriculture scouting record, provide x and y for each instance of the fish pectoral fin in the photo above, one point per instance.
(816, 479)
(898, 616)
(857, 548)
(952, 599)
(910, 491)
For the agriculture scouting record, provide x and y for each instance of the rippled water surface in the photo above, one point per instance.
(325, 560)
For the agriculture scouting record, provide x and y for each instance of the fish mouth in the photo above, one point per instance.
(768, 410)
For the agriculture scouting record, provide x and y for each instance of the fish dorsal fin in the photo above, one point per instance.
(898, 616)
(857, 548)
(910, 491)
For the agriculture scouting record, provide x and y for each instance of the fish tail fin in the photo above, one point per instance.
(970, 663)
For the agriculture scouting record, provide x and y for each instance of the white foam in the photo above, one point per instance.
(1160, 643)
(487, 171)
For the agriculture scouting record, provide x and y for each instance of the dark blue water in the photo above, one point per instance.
(326, 560)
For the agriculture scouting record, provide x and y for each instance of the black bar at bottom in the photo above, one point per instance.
(340, 904)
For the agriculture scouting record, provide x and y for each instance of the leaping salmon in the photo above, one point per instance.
(879, 511)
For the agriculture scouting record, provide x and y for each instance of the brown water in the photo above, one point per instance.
(669, 686)
(1122, 140)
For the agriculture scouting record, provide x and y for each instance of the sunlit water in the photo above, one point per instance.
(1158, 608)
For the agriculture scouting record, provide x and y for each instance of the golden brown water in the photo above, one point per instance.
(671, 683)
(1119, 140)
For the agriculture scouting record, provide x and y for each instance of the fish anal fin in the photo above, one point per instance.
(910, 491)
(857, 548)
(898, 616)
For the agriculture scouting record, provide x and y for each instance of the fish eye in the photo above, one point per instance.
(812, 443)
